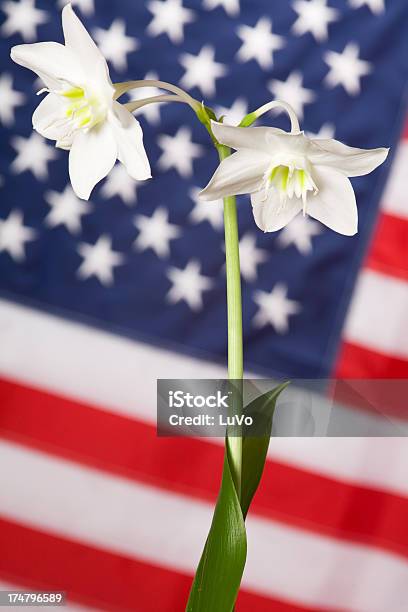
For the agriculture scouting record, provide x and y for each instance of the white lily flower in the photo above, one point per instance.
(286, 173)
(80, 111)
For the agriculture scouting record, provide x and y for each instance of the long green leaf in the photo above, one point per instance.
(255, 448)
(222, 563)
(218, 577)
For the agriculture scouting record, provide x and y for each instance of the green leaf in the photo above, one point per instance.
(255, 448)
(218, 577)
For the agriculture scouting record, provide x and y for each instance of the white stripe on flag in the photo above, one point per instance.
(378, 315)
(114, 514)
(89, 364)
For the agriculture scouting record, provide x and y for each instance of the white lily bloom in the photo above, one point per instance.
(286, 173)
(80, 111)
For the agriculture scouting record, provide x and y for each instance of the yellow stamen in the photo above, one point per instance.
(290, 182)
(73, 93)
(85, 111)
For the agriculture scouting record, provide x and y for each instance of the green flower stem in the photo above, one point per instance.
(234, 307)
(219, 573)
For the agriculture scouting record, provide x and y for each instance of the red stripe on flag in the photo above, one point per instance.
(404, 135)
(124, 446)
(388, 251)
(359, 362)
(99, 578)
(108, 441)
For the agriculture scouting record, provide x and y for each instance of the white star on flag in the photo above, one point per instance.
(14, 235)
(33, 154)
(250, 257)
(259, 43)
(275, 308)
(299, 232)
(206, 211)
(234, 114)
(156, 232)
(99, 260)
(376, 6)
(188, 285)
(292, 91)
(314, 16)
(231, 6)
(179, 151)
(119, 183)
(169, 17)
(86, 7)
(201, 70)
(115, 45)
(22, 17)
(346, 69)
(10, 99)
(66, 209)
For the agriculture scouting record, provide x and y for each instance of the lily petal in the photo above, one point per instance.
(271, 215)
(51, 61)
(48, 117)
(81, 44)
(335, 204)
(129, 138)
(348, 160)
(242, 172)
(92, 157)
(257, 138)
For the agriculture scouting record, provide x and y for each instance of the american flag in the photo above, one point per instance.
(100, 299)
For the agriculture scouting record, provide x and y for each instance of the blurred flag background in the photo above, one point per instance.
(100, 299)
